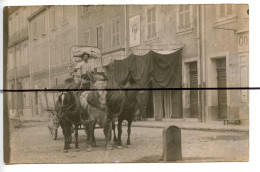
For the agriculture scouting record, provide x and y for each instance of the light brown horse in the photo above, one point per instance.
(93, 105)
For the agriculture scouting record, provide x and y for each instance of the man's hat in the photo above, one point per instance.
(80, 54)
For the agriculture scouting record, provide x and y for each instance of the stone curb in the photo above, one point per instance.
(195, 128)
(29, 120)
(153, 126)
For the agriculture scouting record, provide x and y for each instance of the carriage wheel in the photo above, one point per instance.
(53, 126)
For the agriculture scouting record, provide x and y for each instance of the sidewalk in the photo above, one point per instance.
(181, 123)
(192, 125)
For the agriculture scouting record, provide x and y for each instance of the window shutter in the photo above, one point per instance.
(115, 32)
(181, 24)
(181, 8)
(154, 29)
(34, 30)
(53, 18)
(100, 37)
(187, 18)
(43, 25)
(222, 11)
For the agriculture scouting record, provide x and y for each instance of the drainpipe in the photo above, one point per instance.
(49, 42)
(204, 74)
(30, 67)
(126, 30)
(200, 104)
(203, 66)
(77, 26)
(15, 83)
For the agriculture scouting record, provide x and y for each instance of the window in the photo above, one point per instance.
(151, 23)
(100, 36)
(85, 9)
(225, 11)
(115, 32)
(184, 17)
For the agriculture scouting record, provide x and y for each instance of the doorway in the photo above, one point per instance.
(222, 93)
(193, 93)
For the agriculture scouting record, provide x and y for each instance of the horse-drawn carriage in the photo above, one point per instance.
(74, 106)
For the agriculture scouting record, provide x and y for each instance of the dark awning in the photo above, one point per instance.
(153, 70)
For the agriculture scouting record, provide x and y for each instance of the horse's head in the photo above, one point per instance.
(133, 87)
(65, 99)
(101, 97)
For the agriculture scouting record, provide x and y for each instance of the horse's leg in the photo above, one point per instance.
(129, 122)
(107, 125)
(87, 131)
(76, 136)
(68, 134)
(65, 133)
(65, 139)
(114, 131)
(119, 127)
(91, 132)
(94, 139)
(71, 131)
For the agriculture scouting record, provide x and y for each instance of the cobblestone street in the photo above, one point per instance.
(30, 143)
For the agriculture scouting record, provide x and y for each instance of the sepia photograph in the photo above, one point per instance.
(143, 83)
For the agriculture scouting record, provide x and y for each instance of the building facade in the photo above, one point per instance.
(213, 39)
(18, 60)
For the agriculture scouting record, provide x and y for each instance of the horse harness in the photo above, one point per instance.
(69, 108)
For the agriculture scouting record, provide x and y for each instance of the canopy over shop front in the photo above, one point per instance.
(154, 70)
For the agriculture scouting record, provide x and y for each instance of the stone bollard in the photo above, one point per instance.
(172, 143)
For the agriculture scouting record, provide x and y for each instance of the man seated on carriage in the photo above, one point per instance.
(83, 72)
(85, 78)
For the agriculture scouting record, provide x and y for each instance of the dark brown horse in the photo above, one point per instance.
(123, 104)
(67, 110)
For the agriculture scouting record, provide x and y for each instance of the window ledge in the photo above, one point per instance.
(113, 48)
(152, 40)
(181, 32)
(225, 20)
